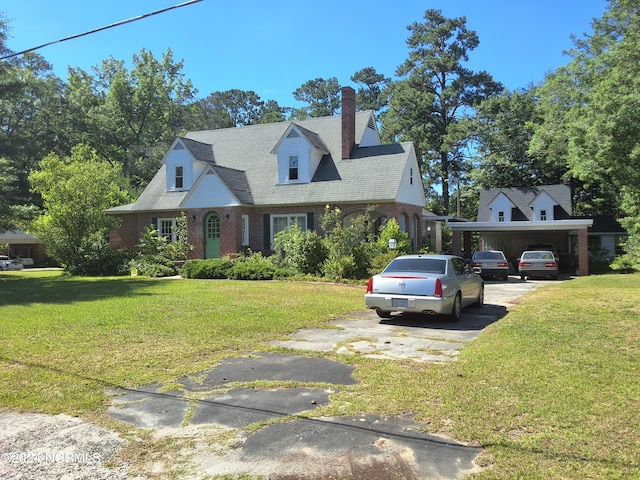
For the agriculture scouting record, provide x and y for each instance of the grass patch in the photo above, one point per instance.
(64, 339)
(550, 390)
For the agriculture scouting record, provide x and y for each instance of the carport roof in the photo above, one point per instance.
(524, 226)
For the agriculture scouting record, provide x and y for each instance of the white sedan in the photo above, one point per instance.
(428, 284)
(7, 263)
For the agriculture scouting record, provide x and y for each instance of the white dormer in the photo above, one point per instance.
(299, 153)
(501, 208)
(371, 136)
(543, 205)
(181, 167)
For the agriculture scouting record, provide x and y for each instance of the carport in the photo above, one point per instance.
(512, 237)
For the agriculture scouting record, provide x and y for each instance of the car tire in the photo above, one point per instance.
(523, 277)
(480, 300)
(383, 313)
(456, 310)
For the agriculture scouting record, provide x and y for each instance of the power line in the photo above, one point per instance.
(122, 22)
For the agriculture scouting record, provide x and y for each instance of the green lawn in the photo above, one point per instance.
(550, 391)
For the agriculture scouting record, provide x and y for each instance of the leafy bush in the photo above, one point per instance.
(252, 267)
(390, 230)
(210, 268)
(95, 257)
(381, 260)
(630, 261)
(156, 255)
(153, 266)
(348, 248)
(337, 268)
(303, 251)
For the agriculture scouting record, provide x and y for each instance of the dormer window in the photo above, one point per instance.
(501, 216)
(543, 215)
(179, 177)
(293, 167)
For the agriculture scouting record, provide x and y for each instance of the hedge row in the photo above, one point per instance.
(254, 267)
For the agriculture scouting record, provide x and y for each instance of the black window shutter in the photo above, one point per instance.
(154, 223)
(267, 231)
(310, 225)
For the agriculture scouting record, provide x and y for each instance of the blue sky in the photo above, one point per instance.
(273, 47)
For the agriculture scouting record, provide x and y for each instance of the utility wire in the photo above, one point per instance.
(122, 22)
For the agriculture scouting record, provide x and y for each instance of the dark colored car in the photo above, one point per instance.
(493, 263)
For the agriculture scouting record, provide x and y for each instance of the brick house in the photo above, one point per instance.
(238, 187)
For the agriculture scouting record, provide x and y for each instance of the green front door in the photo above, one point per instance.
(212, 236)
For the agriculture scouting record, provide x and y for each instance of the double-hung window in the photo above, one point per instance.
(179, 177)
(501, 216)
(167, 229)
(245, 230)
(280, 222)
(293, 167)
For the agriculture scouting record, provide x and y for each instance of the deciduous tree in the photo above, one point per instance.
(76, 191)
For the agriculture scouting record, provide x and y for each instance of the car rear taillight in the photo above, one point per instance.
(369, 286)
(550, 265)
(438, 290)
(477, 264)
(525, 264)
(502, 264)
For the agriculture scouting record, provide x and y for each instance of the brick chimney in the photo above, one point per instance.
(348, 121)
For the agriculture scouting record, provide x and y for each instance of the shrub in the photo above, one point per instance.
(381, 260)
(624, 264)
(95, 257)
(348, 248)
(630, 261)
(156, 255)
(252, 267)
(210, 268)
(153, 266)
(391, 230)
(338, 268)
(302, 251)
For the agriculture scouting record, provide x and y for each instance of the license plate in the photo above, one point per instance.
(400, 302)
(491, 264)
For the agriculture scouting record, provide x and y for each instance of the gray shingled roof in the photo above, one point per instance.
(373, 174)
(243, 159)
(522, 197)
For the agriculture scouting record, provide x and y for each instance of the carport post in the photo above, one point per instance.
(583, 252)
(466, 245)
(457, 242)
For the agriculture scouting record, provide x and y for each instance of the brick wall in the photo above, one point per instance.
(128, 235)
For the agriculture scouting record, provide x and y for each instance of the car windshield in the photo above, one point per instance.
(488, 256)
(538, 256)
(428, 265)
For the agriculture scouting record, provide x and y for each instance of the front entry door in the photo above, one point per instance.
(212, 236)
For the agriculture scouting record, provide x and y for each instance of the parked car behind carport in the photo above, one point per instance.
(7, 263)
(492, 262)
(538, 264)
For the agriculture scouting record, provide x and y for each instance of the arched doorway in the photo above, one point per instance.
(212, 236)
